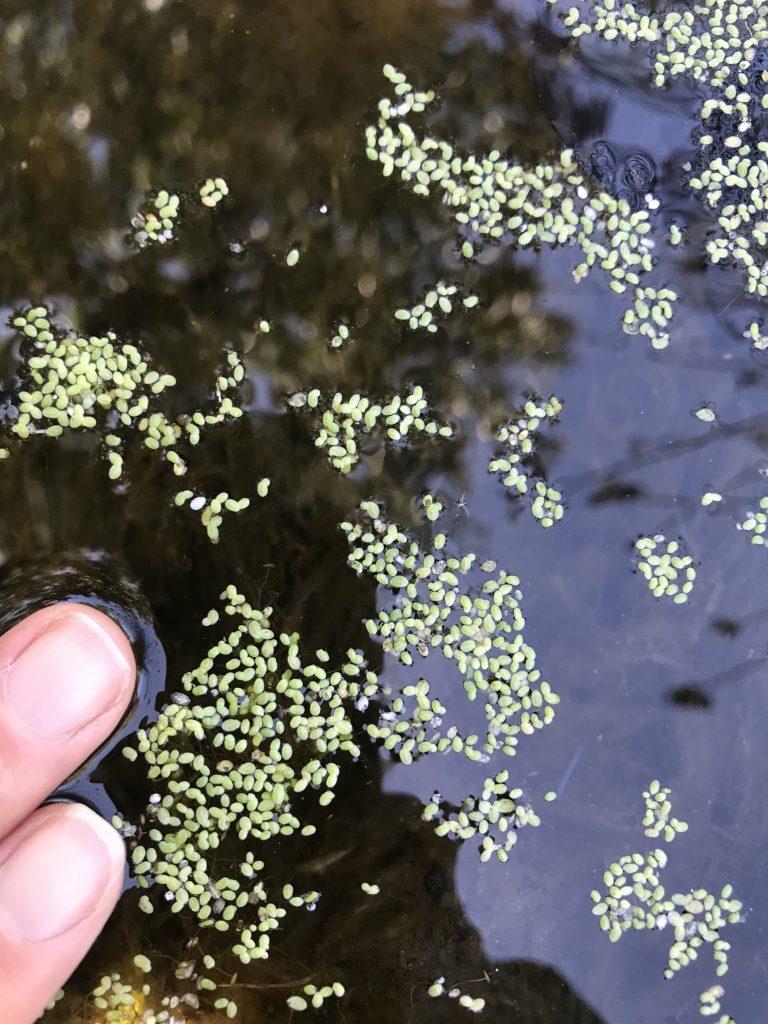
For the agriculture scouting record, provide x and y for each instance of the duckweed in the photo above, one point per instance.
(756, 333)
(716, 43)
(438, 301)
(100, 384)
(492, 198)
(667, 568)
(211, 509)
(515, 464)
(756, 523)
(657, 821)
(635, 898)
(248, 709)
(340, 336)
(156, 220)
(437, 605)
(212, 191)
(342, 423)
(495, 816)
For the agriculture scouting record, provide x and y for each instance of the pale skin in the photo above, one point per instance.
(67, 675)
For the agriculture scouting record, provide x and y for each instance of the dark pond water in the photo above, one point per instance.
(102, 101)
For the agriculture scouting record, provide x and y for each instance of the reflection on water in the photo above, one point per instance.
(102, 102)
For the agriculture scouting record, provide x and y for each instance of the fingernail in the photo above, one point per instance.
(76, 667)
(59, 874)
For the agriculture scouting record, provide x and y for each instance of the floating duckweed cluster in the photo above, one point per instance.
(711, 498)
(315, 996)
(514, 464)
(438, 989)
(155, 222)
(496, 816)
(117, 1002)
(658, 808)
(158, 217)
(438, 301)
(252, 727)
(667, 568)
(211, 509)
(477, 625)
(370, 888)
(342, 423)
(756, 523)
(713, 42)
(340, 336)
(756, 333)
(722, 44)
(492, 198)
(292, 257)
(100, 384)
(635, 899)
(651, 315)
(105, 385)
(212, 191)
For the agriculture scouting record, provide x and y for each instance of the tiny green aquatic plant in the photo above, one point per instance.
(651, 315)
(211, 509)
(340, 336)
(755, 524)
(492, 198)
(437, 603)
(635, 899)
(720, 44)
(106, 386)
(438, 989)
(756, 333)
(212, 191)
(252, 703)
(158, 218)
(438, 302)
(658, 809)
(155, 222)
(496, 816)
(667, 567)
(314, 997)
(514, 462)
(342, 423)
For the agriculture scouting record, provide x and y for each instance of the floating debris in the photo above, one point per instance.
(666, 566)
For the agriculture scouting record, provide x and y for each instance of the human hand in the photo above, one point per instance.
(67, 674)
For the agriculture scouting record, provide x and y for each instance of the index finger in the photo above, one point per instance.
(67, 673)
